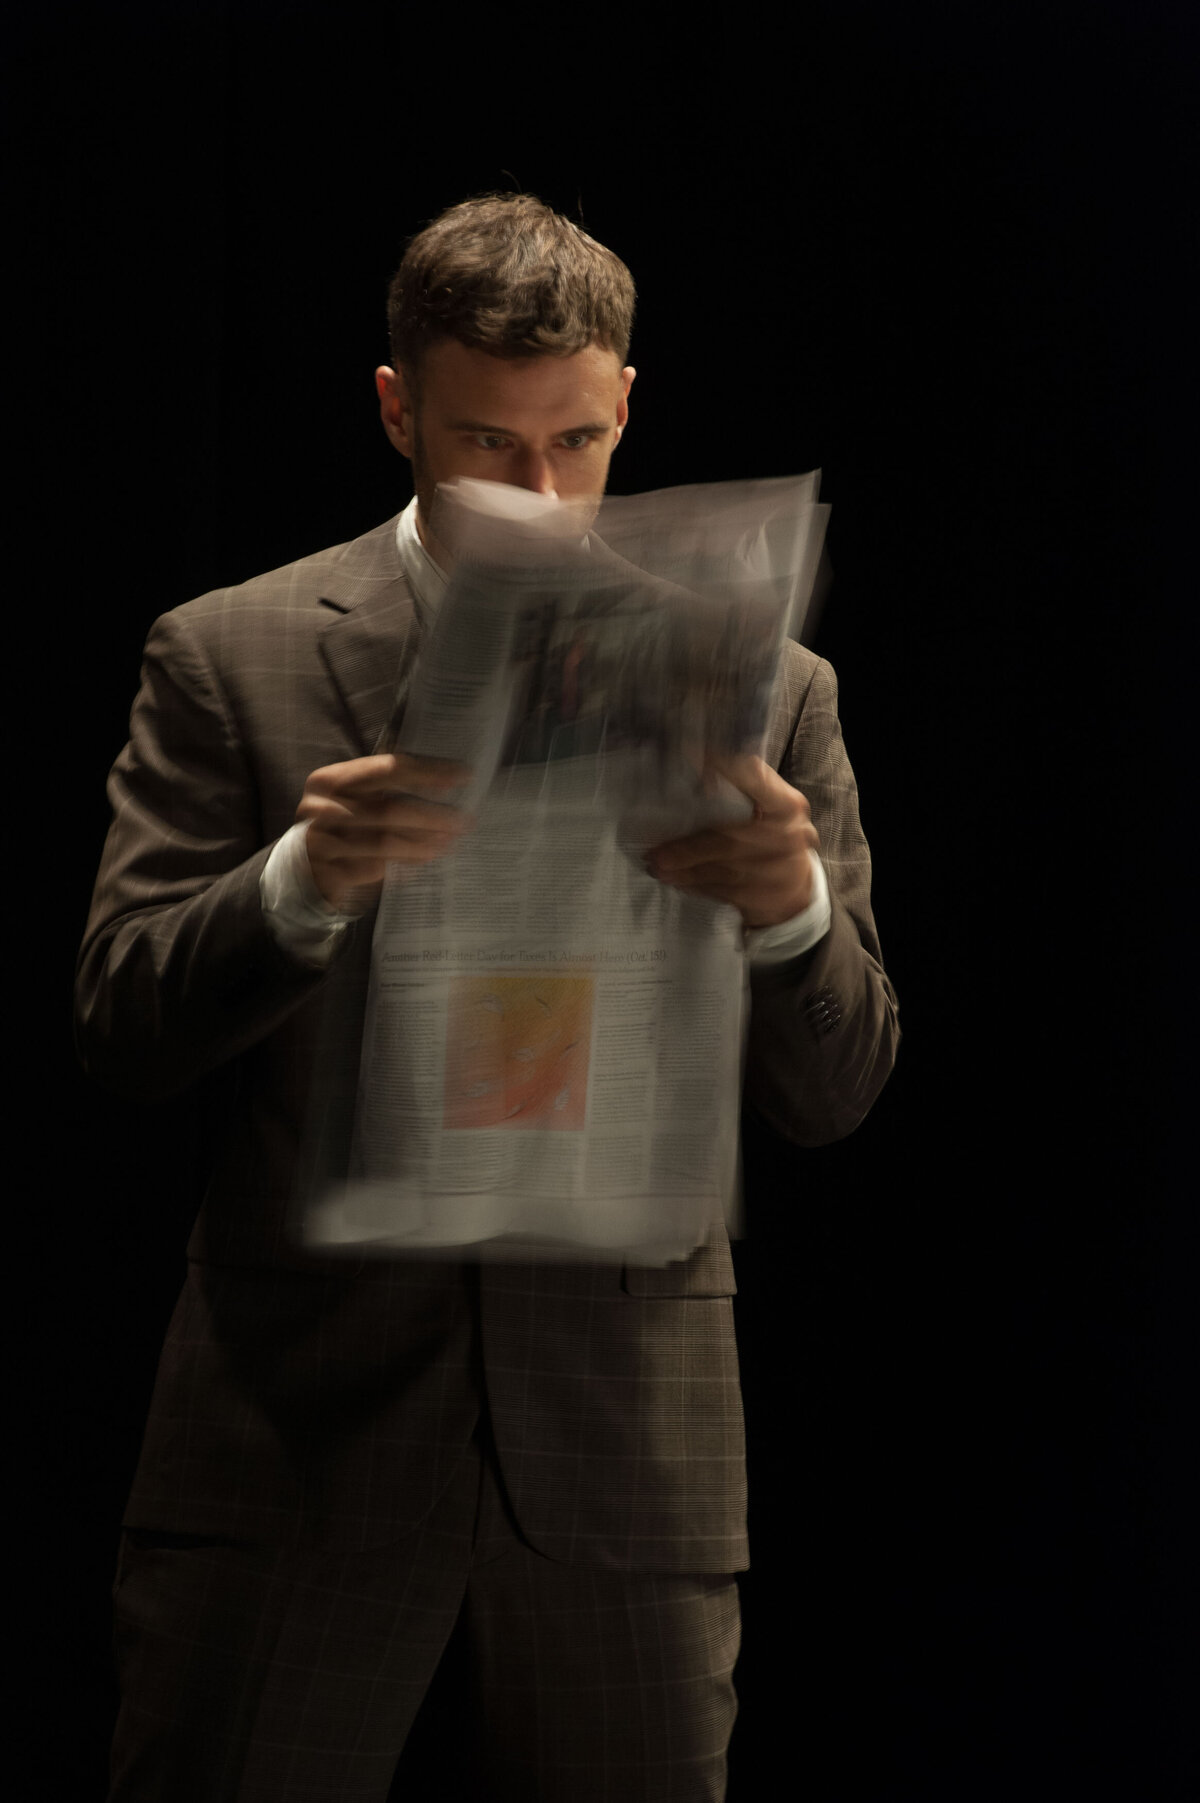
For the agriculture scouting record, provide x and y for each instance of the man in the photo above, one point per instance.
(344, 1460)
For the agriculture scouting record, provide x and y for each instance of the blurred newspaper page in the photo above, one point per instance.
(552, 1049)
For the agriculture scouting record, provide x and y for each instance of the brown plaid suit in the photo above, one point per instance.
(303, 1405)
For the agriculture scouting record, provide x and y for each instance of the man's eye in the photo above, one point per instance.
(577, 441)
(490, 441)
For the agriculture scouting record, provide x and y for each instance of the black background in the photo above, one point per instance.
(940, 254)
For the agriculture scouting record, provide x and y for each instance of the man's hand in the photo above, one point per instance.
(373, 811)
(763, 866)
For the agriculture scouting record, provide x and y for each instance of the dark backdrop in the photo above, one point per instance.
(933, 254)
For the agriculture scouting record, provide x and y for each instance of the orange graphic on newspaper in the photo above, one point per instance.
(517, 1052)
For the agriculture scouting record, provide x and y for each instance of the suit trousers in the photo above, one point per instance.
(257, 1675)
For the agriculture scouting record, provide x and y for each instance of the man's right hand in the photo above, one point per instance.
(370, 812)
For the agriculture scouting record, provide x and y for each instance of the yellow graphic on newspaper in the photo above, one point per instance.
(517, 1052)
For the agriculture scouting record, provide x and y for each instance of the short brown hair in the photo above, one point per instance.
(504, 273)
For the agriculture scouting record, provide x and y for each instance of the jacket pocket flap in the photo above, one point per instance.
(708, 1272)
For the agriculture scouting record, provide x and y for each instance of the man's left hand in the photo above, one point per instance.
(762, 866)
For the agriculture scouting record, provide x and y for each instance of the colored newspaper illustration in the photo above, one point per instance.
(551, 1058)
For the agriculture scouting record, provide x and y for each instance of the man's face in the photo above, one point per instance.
(545, 423)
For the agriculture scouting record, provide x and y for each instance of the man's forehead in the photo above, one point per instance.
(452, 371)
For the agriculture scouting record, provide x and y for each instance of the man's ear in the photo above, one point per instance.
(395, 408)
(627, 376)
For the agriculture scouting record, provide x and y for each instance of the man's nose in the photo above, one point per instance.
(534, 472)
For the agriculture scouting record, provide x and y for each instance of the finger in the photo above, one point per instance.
(756, 842)
(769, 792)
(387, 773)
(436, 774)
(373, 831)
(763, 897)
(709, 877)
(679, 856)
(407, 813)
(377, 824)
(716, 882)
(380, 810)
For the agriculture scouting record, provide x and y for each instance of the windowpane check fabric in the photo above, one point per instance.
(256, 1675)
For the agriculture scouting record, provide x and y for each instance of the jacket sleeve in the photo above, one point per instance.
(178, 971)
(824, 1028)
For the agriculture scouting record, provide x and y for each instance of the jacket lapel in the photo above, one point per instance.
(369, 642)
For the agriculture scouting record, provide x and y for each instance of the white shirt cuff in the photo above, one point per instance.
(299, 917)
(775, 945)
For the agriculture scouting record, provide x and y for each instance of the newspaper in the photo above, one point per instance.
(552, 1048)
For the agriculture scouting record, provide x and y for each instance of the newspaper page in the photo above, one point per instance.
(552, 1048)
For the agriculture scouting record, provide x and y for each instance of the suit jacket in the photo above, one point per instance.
(312, 1402)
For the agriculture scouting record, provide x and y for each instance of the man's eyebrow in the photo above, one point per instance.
(479, 425)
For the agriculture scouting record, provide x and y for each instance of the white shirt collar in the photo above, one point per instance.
(426, 579)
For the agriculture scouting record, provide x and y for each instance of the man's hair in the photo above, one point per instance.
(503, 273)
